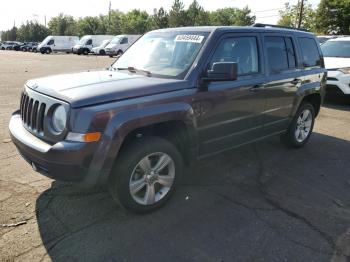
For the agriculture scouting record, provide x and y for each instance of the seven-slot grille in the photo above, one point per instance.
(32, 113)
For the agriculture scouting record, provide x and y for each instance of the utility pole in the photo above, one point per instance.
(45, 20)
(109, 14)
(301, 13)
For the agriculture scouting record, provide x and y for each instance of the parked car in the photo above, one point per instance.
(324, 38)
(7, 45)
(175, 96)
(337, 61)
(35, 48)
(100, 50)
(17, 46)
(54, 43)
(87, 42)
(28, 46)
(120, 43)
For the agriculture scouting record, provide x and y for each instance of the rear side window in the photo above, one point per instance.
(309, 50)
(242, 50)
(280, 53)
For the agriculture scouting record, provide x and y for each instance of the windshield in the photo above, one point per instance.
(83, 40)
(104, 43)
(336, 49)
(167, 54)
(116, 40)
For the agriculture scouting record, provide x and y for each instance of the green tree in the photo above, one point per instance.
(196, 16)
(333, 17)
(135, 22)
(290, 16)
(232, 16)
(113, 22)
(177, 14)
(91, 25)
(32, 31)
(160, 18)
(9, 35)
(63, 25)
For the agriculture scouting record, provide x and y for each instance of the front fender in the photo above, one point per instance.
(122, 123)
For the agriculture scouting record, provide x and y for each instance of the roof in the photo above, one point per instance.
(342, 38)
(228, 29)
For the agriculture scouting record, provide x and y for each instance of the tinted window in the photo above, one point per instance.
(89, 42)
(242, 50)
(290, 52)
(124, 41)
(276, 54)
(311, 56)
(51, 42)
(336, 49)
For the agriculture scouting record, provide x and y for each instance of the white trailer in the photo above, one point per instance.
(56, 43)
(120, 43)
(87, 42)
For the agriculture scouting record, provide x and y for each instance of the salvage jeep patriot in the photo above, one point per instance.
(175, 96)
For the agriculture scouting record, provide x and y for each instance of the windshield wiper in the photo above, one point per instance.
(135, 70)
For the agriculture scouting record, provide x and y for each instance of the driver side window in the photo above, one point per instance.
(241, 50)
(51, 42)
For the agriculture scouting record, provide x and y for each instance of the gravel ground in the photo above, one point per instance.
(263, 202)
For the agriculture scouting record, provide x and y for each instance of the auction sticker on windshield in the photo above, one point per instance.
(189, 38)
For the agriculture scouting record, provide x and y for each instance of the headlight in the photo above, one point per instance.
(345, 70)
(59, 119)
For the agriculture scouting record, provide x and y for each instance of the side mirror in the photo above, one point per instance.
(222, 71)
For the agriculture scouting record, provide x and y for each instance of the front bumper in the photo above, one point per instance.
(110, 52)
(65, 161)
(340, 80)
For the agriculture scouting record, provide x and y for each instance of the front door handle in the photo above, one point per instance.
(257, 88)
(296, 81)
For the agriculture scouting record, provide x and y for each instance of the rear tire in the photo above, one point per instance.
(145, 175)
(301, 127)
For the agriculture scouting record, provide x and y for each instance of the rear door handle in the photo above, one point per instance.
(296, 81)
(257, 88)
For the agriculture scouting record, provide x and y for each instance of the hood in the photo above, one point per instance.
(87, 88)
(77, 46)
(336, 62)
(111, 46)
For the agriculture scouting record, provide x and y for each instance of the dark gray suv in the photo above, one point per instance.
(175, 96)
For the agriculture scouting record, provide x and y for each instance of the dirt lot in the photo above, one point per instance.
(263, 202)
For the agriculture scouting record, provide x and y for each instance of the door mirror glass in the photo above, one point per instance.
(222, 71)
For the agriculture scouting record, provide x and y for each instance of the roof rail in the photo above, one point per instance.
(279, 26)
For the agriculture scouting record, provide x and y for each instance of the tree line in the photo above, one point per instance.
(330, 17)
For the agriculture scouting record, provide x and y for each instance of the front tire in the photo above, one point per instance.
(301, 127)
(145, 175)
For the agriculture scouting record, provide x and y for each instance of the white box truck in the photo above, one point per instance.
(120, 43)
(57, 43)
(87, 42)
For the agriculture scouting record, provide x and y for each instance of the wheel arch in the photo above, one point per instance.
(175, 122)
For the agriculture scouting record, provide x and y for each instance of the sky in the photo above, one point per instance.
(19, 11)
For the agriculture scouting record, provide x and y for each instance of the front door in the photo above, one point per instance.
(232, 111)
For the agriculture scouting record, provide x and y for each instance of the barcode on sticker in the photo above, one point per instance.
(189, 38)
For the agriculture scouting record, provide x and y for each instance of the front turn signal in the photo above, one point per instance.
(88, 137)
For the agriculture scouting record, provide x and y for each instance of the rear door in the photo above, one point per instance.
(285, 76)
